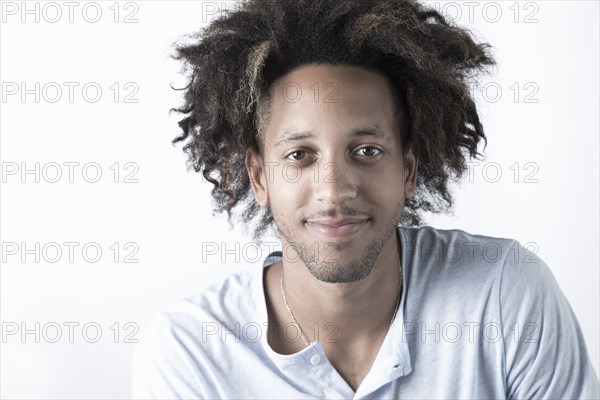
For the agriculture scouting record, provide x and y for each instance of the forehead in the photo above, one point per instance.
(331, 84)
(331, 97)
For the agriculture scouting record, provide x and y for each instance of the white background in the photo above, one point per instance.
(166, 216)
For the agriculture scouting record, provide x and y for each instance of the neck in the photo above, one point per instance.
(344, 313)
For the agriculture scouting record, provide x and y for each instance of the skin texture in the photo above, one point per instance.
(313, 180)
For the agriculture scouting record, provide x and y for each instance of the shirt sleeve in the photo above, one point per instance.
(162, 368)
(545, 352)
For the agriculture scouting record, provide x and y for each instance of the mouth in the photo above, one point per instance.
(337, 228)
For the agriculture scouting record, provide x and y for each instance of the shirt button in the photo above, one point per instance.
(315, 359)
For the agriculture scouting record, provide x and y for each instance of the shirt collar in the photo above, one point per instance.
(393, 359)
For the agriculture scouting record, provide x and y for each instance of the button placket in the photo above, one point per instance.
(315, 359)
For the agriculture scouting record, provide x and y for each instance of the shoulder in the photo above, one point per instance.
(455, 257)
(501, 268)
(222, 301)
(465, 266)
(456, 244)
(501, 282)
(183, 340)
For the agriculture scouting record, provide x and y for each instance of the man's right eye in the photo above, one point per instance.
(297, 155)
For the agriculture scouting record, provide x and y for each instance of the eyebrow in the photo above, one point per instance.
(292, 136)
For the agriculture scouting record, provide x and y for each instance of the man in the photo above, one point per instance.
(338, 123)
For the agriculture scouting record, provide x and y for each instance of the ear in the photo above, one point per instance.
(258, 179)
(411, 162)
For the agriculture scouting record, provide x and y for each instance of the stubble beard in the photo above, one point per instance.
(325, 267)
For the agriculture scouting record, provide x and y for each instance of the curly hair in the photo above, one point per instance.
(232, 63)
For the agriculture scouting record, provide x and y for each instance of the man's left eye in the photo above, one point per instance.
(368, 151)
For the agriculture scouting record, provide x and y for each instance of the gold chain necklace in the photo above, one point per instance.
(298, 325)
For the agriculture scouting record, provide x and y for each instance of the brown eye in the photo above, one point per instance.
(297, 155)
(368, 151)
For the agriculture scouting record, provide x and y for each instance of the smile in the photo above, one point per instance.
(336, 229)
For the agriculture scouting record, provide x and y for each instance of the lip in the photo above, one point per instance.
(337, 228)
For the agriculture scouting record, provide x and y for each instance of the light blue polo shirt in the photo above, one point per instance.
(479, 318)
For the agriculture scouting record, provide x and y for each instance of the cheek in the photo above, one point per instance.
(289, 186)
(388, 190)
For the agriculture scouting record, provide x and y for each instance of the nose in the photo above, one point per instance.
(335, 183)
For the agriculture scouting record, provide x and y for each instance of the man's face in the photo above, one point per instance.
(333, 170)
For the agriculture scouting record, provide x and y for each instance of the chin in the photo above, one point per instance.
(340, 272)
